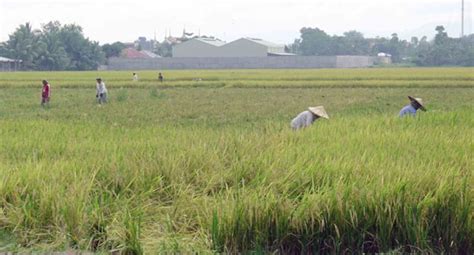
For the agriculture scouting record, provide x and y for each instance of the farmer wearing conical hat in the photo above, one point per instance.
(307, 118)
(415, 104)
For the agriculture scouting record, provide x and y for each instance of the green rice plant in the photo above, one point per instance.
(122, 95)
(155, 93)
(132, 241)
(215, 168)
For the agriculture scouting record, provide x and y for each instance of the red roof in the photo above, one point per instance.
(133, 53)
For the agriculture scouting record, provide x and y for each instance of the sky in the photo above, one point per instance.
(279, 21)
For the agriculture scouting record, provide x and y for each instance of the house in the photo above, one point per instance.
(133, 53)
(7, 64)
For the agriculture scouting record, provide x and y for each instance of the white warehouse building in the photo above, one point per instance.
(244, 47)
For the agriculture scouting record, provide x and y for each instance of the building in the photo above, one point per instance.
(198, 48)
(133, 53)
(252, 47)
(7, 64)
(212, 48)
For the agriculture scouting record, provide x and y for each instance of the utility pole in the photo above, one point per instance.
(462, 19)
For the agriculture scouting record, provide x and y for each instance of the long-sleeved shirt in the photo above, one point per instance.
(45, 93)
(303, 119)
(408, 109)
(101, 88)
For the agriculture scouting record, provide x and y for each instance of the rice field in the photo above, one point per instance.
(205, 162)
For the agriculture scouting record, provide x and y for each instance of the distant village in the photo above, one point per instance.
(189, 45)
(314, 49)
(189, 51)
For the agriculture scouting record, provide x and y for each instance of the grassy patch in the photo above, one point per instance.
(217, 169)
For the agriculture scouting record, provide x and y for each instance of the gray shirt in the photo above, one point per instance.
(303, 119)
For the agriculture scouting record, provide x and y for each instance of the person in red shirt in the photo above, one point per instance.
(45, 93)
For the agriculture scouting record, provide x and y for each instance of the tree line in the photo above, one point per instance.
(53, 47)
(64, 47)
(441, 51)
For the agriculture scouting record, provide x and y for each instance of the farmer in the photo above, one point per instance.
(160, 77)
(135, 77)
(101, 94)
(45, 93)
(307, 117)
(415, 104)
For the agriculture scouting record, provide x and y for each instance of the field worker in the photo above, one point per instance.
(307, 118)
(135, 77)
(415, 104)
(160, 77)
(45, 93)
(101, 91)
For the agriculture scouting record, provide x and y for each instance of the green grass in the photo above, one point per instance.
(349, 78)
(164, 168)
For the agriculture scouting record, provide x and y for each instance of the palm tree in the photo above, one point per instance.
(52, 55)
(22, 44)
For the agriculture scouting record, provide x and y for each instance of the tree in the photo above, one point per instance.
(55, 47)
(355, 43)
(113, 50)
(394, 48)
(440, 52)
(164, 49)
(83, 54)
(443, 50)
(466, 57)
(295, 46)
(314, 41)
(52, 55)
(23, 45)
(441, 36)
(380, 45)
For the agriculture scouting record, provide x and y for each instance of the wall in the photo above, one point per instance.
(242, 63)
(10, 66)
(353, 61)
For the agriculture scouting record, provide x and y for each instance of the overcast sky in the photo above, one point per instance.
(275, 20)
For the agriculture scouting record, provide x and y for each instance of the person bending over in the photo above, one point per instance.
(306, 118)
(415, 104)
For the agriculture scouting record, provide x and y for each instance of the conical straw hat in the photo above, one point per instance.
(419, 101)
(319, 110)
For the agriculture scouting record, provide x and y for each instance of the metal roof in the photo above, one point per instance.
(3, 59)
(133, 53)
(150, 54)
(218, 43)
(211, 41)
(280, 54)
(263, 42)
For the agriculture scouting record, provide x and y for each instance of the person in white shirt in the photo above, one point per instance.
(306, 118)
(101, 94)
(135, 77)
